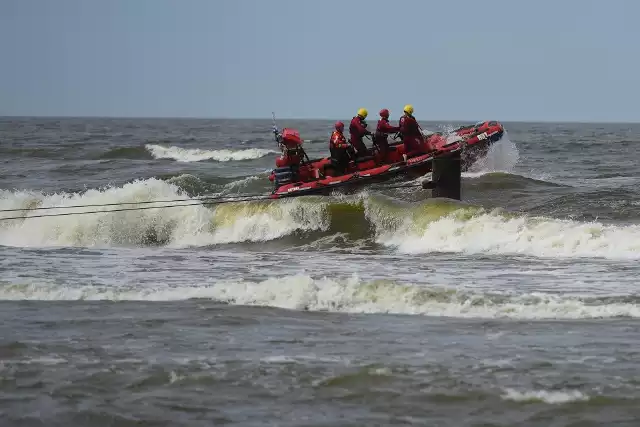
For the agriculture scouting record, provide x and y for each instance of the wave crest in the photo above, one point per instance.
(419, 227)
(348, 295)
(196, 154)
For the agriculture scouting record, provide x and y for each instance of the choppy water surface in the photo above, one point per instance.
(517, 306)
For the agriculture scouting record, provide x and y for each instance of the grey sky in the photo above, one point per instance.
(558, 60)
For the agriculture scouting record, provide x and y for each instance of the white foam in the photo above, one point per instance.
(350, 295)
(246, 223)
(195, 225)
(495, 233)
(551, 397)
(119, 228)
(175, 227)
(196, 155)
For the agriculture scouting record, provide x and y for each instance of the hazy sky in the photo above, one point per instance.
(559, 60)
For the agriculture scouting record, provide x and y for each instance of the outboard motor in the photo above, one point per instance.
(288, 165)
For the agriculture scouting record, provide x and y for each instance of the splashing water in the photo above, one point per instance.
(501, 157)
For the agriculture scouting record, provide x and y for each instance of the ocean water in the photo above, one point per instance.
(516, 306)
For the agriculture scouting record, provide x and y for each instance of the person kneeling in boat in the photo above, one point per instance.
(383, 130)
(341, 153)
(358, 130)
(412, 137)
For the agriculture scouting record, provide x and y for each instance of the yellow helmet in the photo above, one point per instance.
(363, 113)
(408, 109)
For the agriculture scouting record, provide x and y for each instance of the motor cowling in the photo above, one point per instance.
(291, 145)
(291, 138)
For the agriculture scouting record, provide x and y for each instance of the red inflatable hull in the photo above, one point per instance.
(317, 176)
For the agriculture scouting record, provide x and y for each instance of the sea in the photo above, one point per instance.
(516, 306)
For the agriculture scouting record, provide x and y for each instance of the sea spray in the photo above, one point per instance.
(501, 157)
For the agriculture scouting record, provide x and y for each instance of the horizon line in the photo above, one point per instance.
(46, 116)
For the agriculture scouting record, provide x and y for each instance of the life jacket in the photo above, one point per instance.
(357, 128)
(337, 140)
(385, 128)
(409, 126)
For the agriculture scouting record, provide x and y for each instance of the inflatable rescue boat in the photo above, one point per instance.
(295, 174)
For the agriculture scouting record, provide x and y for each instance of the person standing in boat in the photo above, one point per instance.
(358, 130)
(412, 137)
(383, 130)
(340, 155)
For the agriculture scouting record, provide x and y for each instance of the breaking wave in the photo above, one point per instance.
(350, 295)
(196, 154)
(552, 397)
(419, 227)
(495, 232)
(177, 226)
(216, 185)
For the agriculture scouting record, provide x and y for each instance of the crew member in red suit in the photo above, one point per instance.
(414, 141)
(358, 130)
(383, 130)
(339, 148)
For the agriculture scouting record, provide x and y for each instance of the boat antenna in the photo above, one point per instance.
(276, 132)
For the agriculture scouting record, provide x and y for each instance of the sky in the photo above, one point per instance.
(508, 60)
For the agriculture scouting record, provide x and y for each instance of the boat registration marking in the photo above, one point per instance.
(417, 159)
